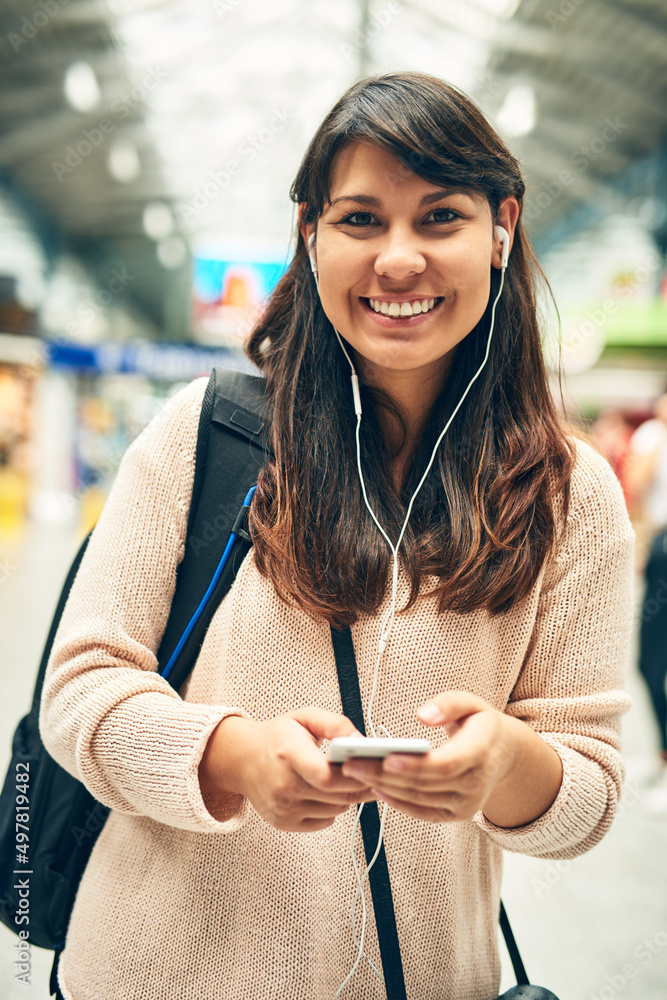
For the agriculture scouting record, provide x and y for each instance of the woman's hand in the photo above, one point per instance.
(491, 760)
(277, 765)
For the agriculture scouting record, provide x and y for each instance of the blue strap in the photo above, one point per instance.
(211, 587)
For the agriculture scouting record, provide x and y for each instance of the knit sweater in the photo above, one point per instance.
(177, 901)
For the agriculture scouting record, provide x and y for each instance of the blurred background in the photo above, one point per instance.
(147, 148)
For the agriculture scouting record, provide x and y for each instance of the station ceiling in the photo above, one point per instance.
(188, 87)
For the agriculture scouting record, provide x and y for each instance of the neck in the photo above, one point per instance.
(415, 391)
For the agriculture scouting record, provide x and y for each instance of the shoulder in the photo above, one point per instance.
(183, 406)
(596, 542)
(175, 425)
(592, 472)
(597, 502)
(161, 459)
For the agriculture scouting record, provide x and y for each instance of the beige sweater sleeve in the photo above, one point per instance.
(106, 715)
(570, 689)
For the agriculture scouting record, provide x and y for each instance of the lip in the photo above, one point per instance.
(393, 322)
(411, 297)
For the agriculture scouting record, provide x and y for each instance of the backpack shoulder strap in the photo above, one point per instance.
(235, 400)
(33, 718)
(232, 446)
(378, 877)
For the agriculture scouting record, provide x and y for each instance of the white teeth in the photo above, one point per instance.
(402, 308)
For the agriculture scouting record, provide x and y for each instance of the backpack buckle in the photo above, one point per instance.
(241, 523)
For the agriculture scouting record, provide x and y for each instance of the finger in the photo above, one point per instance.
(437, 769)
(362, 770)
(323, 725)
(308, 763)
(316, 778)
(320, 810)
(360, 794)
(285, 809)
(453, 801)
(290, 825)
(475, 747)
(430, 815)
(285, 812)
(312, 825)
(451, 706)
(374, 772)
(317, 774)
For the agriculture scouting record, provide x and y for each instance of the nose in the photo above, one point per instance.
(399, 255)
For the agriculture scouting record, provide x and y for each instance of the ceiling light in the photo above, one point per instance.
(81, 87)
(123, 161)
(172, 252)
(500, 8)
(157, 220)
(517, 114)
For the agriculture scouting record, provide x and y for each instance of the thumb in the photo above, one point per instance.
(450, 707)
(323, 725)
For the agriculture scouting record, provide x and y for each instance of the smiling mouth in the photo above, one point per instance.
(402, 310)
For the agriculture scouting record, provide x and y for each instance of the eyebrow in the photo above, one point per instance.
(428, 199)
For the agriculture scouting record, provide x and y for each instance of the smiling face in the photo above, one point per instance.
(404, 265)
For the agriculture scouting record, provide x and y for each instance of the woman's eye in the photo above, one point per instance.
(359, 215)
(445, 211)
(360, 219)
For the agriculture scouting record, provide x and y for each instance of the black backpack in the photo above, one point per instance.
(48, 820)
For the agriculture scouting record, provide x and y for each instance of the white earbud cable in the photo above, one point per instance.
(389, 617)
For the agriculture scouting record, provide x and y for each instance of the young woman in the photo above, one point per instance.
(224, 869)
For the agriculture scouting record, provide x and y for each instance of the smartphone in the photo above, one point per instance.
(344, 748)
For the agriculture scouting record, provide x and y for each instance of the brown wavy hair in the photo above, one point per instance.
(485, 519)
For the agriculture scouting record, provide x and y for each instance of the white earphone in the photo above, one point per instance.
(311, 254)
(503, 236)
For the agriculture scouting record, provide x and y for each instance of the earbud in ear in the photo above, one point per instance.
(504, 238)
(311, 253)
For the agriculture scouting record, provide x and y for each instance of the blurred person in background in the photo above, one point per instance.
(646, 477)
(224, 867)
(611, 433)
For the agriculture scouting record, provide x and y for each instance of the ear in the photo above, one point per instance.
(306, 229)
(508, 214)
